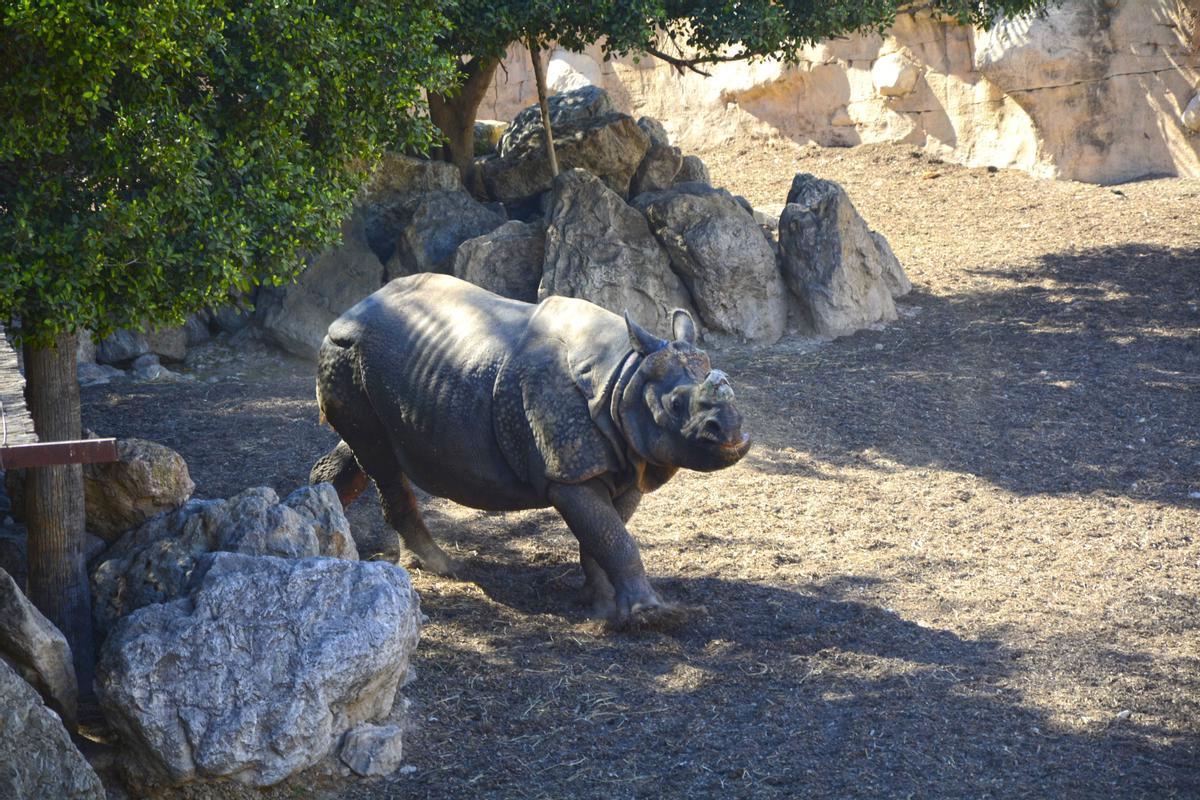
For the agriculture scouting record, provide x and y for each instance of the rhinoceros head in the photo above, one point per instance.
(676, 410)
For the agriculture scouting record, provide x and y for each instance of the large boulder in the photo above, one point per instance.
(121, 347)
(568, 109)
(37, 759)
(842, 273)
(259, 671)
(692, 170)
(431, 227)
(610, 146)
(723, 257)
(507, 261)
(153, 563)
(336, 279)
(37, 650)
(657, 171)
(385, 203)
(146, 479)
(600, 249)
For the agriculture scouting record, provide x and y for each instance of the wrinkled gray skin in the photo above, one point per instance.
(503, 405)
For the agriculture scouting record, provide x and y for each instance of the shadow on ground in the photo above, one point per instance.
(1079, 374)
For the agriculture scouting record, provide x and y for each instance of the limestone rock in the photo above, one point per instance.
(507, 261)
(146, 479)
(723, 257)
(894, 75)
(153, 563)
(832, 261)
(403, 175)
(600, 249)
(657, 171)
(37, 759)
(373, 749)
(569, 109)
(259, 670)
(333, 281)
(37, 650)
(1191, 115)
(169, 344)
(610, 146)
(487, 135)
(121, 347)
(692, 170)
(434, 225)
(655, 130)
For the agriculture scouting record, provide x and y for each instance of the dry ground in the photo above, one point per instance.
(961, 560)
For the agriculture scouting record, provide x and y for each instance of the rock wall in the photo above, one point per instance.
(1094, 90)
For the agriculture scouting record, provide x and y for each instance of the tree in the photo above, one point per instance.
(687, 34)
(156, 154)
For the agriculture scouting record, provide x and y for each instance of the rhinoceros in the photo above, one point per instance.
(502, 405)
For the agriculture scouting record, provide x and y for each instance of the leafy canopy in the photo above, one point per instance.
(157, 153)
(703, 31)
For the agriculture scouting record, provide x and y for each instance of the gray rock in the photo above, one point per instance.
(723, 257)
(600, 249)
(144, 361)
(231, 318)
(403, 175)
(37, 759)
(153, 372)
(153, 563)
(692, 170)
(146, 479)
(97, 374)
(298, 317)
(169, 344)
(260, 670)
(832, 262)
(121, 347)
(567, 110)
(657, 170)
(196, 330)
(655, 130)
(507, 261)
(37, 650)
(435, 224)
(373, 749)
(85, 348)
(610, 146)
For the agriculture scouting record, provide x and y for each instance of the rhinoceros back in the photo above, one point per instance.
(476, 391)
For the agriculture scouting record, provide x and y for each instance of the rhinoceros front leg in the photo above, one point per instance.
(607, 550)
(597, 590)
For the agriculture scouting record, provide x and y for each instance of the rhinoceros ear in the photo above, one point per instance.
(642, 341)
(683, 327)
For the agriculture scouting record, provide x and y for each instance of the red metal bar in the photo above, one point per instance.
(50, 454)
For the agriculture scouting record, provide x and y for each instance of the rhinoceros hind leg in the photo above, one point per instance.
(340, 468)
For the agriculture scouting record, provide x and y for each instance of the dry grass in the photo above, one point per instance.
(960, 562)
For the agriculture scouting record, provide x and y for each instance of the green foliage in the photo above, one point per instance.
(157, 153)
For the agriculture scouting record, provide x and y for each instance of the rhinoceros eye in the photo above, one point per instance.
(678, 405)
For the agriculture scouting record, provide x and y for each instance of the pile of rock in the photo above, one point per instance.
(630, 224)
(239, 640)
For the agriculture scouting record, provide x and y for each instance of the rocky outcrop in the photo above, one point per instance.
(833, 263)
(154, 563)
(258, 671)
(432, 226)
(658, 169)
(570, 109)
(373, 749)
(37, 759)
(600, 249)
(36, 650)
(299, 316)
(1087, 90)
(146, 479)
(723, 257)
(610, 146)
(507, 261)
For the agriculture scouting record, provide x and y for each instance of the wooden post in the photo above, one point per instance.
(539, 76)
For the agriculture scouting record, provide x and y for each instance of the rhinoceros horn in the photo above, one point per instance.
(715, 389)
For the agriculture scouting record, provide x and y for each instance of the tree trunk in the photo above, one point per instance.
(539, 76)
(54, 513)
(454, 113)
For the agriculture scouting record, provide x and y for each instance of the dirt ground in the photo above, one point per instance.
(961, 560)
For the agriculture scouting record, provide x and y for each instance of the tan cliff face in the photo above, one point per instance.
(1094, 90)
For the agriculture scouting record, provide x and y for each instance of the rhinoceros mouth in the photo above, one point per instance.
(734, 451)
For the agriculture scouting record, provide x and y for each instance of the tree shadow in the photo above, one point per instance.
(1080, 373)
